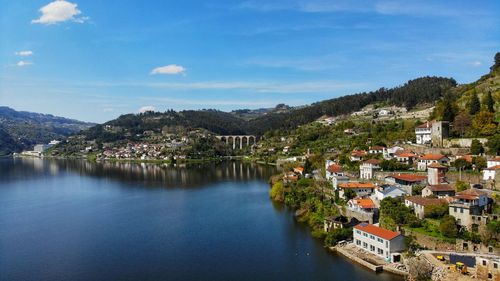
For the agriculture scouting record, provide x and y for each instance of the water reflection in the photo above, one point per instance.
(153, 175)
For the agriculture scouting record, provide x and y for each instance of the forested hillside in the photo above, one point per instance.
(419, 91)
(21, 130)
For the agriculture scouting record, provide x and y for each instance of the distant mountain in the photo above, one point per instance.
(21, 130)
(426, 90)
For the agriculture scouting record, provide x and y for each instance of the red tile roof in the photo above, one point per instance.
(427, 124)
(359, 153)
(409, 177)
(441, 187)
(425, 201)
(365, 203)
(334, 168)
(431, 156)
(377, 231)
(373, 161)
(376, 147)
(357, 185)
(493, 168)
(471, 194)
(436, 165)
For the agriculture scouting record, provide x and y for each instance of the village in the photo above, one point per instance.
(453, 221)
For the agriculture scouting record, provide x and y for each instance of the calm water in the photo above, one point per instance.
(72, 220)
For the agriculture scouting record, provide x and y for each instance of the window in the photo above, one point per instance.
(365, 245)
(495, 265)
(358, 242)
(461, 210)
(484, 262)
(380, 240)
(387, 244)
(372, 237)
(365, 235)
(372, 248)
(358, 232)
(380, 251)
(455, 209)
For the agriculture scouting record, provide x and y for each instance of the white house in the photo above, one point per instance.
(360, 188)
(365, 205)
(424, 133)
(332, 169)
(377, 149)
(491, 172)
(357, 155)
(385, 191)
(427, 159)
(419, 203)
(493, 162)
(405, 156)
(406, 179)
(389, 153)
(368, 168)
(379, 241)
(467, 206)
(384, 112)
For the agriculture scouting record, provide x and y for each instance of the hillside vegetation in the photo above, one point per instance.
(21, 130)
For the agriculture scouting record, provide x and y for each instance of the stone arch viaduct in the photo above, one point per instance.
(238, 140)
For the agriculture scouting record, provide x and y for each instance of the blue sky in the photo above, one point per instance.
(94, 60)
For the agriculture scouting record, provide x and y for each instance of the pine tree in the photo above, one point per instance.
(448, 108)
(489, 103)
(475, 104)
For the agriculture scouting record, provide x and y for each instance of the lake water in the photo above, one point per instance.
(74, 220)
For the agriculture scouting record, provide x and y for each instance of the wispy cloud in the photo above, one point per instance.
(257, 87)
(169, 69)
(23, 63)
(24, 53)
(59, 11)
(146, 109)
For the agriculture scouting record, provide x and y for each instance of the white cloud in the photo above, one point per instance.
(24, 53)
(23, 63)
(169, 69)
(59, 11)
(476, 63)
(146, 108)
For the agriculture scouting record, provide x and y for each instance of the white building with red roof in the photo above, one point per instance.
(384, 243)
(430, 158)
(469, 208)
(360, 188)
(368, 168)
(491, 173)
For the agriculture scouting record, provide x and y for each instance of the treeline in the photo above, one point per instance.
(419, 91)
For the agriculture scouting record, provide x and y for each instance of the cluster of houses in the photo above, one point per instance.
(143, 151)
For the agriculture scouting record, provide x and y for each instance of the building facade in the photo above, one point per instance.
(379, 241)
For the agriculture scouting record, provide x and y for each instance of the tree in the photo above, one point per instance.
(448, 226)
(476, 148)
(489, 103)
(474, 104)
(448, 108)
(497, 62)
(461, 123)
(461, 164)
(494, 144)
(461, 186)
(349, 194)
(480, 163)
(483, 123)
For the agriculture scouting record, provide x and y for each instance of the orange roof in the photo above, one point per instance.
(377, 231)
(495, 159)
(359, 153)
(373, 161)
(299, 169)
(431, 156)
(357, 185)
(436, 165)
(365, 203)
(376, 147)
(405, 153)
(493, 168)
(409, 177)
(427, 124)
(334, 168)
